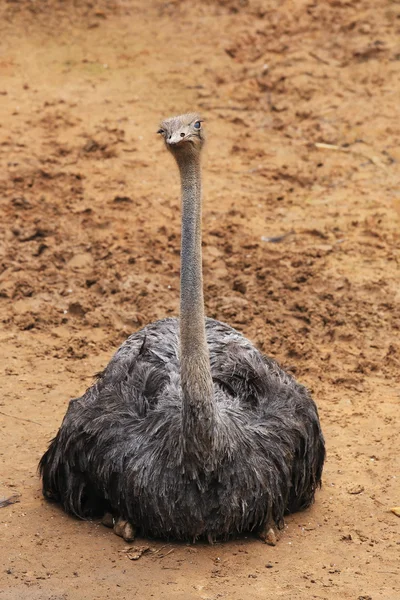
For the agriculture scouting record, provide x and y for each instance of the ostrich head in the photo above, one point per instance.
(183, 134)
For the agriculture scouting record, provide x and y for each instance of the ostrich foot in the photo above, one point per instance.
(269, 535)
(108, 520)
(125, 530)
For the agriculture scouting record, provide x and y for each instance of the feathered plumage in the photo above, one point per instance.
(120, 446)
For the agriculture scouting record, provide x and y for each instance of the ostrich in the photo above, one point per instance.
(189, 432)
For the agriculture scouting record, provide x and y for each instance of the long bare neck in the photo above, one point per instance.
(198, 409)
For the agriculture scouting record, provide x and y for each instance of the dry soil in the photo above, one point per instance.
(301, 253)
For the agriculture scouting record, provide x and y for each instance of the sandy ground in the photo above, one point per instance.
(301, 101)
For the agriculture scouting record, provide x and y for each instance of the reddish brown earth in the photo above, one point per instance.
(301, 101)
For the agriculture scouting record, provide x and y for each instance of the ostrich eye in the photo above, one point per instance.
(160, 131)
(197, 125)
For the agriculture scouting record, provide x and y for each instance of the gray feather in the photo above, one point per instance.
(120, 447)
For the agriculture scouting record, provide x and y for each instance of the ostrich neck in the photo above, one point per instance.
(196, 381)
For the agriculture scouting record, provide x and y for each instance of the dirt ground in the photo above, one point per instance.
(301, 102)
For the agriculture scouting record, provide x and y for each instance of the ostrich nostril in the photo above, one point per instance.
(182, 134)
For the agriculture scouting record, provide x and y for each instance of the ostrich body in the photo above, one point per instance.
(189, 431)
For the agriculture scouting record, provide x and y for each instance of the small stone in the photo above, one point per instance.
(355, 489)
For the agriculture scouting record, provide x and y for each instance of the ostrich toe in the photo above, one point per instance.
(125, 530)
(268, 535)
(108, 520)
